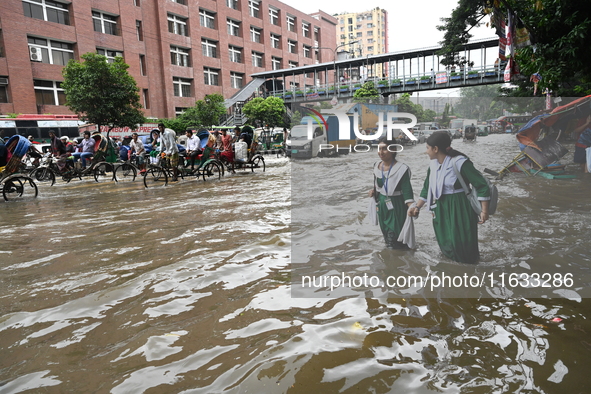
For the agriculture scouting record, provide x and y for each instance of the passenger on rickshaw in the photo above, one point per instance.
(192, 148)
(227, 153)
(34, 152)
(155, 152)
(136, 147)
(86, 147)
(58, 150)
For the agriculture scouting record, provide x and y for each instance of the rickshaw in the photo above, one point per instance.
(470, 133)
(16, 185)
(101, 164)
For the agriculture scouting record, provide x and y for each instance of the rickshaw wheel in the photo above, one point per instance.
(155, 176)
(43, 174)
(257, 162)
(103, 172)
(19, 187)
(211, 170)
(125, 173)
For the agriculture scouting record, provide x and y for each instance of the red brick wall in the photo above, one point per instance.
(155, 46)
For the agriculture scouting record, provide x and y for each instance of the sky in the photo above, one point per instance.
(411, 24)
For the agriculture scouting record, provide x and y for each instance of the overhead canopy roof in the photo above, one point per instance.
(383, 58)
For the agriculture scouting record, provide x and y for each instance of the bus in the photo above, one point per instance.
(39, 126)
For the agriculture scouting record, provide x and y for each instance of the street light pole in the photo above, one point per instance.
(334, 60)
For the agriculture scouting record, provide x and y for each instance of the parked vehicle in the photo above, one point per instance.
(323, 143)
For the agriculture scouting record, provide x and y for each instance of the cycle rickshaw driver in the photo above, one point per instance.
(169, 149)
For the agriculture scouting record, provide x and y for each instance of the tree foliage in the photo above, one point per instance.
(366, 92)
(206, 112)
(269, 112)
(405, 104)
(559, 31)
(102, 93)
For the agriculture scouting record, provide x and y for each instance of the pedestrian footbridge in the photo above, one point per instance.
(392, 73)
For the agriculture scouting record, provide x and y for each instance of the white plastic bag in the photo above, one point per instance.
(372, 212)
(241, 152)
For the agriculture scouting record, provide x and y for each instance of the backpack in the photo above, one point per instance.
(473, 195)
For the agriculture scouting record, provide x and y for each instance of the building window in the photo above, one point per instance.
(274, 16)
(178, 111)
(47, 10)
(109, 54)
(292, 64)
(360, 34)
(136, 3)
(255, 34)
(104, 23)
(179, 56)
(177, 25)
(306, 29)
(257, 59)
(370, 49)
(183, 2)
(139, 31)
(275, 41)
(232, 4)
(207, 19)
(4, 90)
(291, 46)
(146, 98)
(350, 21)
(143, 69)
(370, 40)
(235, 54)
(210, 76)
(276, 62)
(182, 87)
(370, 25)
(370, 33)
(307, 51)
(209, 48)
(49, 51)
(316, 34)
(254, 8)
(49, 92)
(233, 28)
(236, 80)
(291, 21)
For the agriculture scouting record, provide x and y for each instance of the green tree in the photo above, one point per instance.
(366, 92)
(269, 112)
(206, 112)
(296, 119)
(102, 93)
(445, 116)
(559, 32)
(179, 125)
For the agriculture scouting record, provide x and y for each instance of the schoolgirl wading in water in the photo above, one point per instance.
(393, 193)
(454, 221)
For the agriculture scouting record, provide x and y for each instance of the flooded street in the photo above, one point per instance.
(188, 288)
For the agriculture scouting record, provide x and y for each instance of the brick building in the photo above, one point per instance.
(178, 50)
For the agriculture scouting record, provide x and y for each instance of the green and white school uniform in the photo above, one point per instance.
(394, 191)
(454, 221)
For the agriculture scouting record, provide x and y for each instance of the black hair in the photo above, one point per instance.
(388, 143)
(189, 131)
(161, 124)
(442, 140)
(87, 133)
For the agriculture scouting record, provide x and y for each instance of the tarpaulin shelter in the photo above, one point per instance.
(557, 119)
(538, 155)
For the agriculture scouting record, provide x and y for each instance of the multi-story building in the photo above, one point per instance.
(363, 33)
(178, 50)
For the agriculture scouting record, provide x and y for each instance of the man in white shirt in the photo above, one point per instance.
(192, 148)
(137, 146)
(169, 149)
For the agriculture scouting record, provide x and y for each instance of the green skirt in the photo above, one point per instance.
(456, 228)
(391, 220)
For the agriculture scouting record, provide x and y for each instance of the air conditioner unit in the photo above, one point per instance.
(35, 54)
(3, 81)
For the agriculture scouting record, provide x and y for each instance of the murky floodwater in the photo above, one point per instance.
(112, 288)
